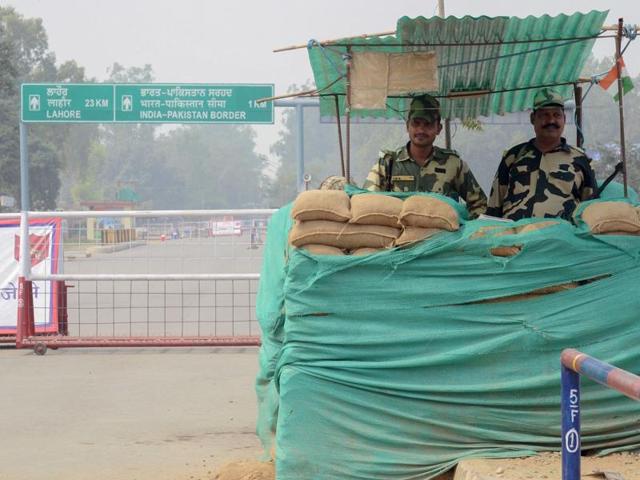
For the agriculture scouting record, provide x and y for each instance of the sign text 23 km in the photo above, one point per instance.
(146, 103)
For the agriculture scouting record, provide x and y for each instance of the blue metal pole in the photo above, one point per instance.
(570, 407)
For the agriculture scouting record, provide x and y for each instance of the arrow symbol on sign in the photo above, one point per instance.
(127, 103)
(34, 102)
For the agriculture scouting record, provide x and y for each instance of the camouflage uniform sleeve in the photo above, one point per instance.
(376, 180)
(498, 190)
(471, 191)
(589, 187)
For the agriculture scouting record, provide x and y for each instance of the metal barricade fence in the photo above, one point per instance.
(573, 364)
(131, 278)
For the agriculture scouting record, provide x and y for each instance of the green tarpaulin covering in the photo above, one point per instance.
(389, 366)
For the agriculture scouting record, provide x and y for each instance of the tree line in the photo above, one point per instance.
(187, 167)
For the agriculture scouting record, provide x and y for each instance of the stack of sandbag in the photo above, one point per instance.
(612, 218)
(422, 217)
(323, 219)
(328, 222)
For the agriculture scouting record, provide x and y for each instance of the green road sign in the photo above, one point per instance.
(147, 103)
(67, 103)
(165, 103)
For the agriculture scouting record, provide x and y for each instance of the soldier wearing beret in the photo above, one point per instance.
(420, 166)
(544, 177)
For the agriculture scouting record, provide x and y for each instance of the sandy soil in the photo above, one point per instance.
(126, 414)
(622, 466)
(548, 466)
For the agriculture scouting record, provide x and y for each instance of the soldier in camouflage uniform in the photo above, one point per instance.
(420, 166)
(544, 177)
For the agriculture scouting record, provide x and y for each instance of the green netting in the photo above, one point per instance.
(387, 367)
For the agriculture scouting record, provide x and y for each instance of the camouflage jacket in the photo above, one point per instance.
(532, 184)
(444, 173)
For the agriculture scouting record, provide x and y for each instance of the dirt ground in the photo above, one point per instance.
(548, 466)
(126, 414)
(622, 466)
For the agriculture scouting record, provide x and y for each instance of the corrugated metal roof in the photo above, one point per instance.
(508, 56)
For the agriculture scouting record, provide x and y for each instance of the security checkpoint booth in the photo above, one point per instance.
(404, 361)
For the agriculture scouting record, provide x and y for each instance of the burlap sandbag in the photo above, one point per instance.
(375, 209)
(323, 250)
(556, 288)
(492, 231)
(531, 227)
(534, 294)
(603, 217)
(346, 236)
(501, 230)
(415, 234)
(506, 250)
(428, 212)
(322, 205)
(358, 252)
(620, 233)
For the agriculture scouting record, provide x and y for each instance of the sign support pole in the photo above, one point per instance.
(23, 324)
(25, 257)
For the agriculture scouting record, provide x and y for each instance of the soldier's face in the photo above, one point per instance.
(422, 132)
(548, 123)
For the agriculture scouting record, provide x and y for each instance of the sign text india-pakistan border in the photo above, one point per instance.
(146, 103)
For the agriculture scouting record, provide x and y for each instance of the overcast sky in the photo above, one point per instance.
(207, 41)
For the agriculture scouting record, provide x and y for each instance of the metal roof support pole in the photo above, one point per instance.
(335, 97)
(623, 151)
(447, 133)
(577, 95)
(299, 104)
(300, 146)
(447, 122)
(347, 112)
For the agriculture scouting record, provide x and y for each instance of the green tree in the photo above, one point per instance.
(25, 46)
(74, 142)
(608, 155)
(215, 166)
(128, 153)
(9, 135)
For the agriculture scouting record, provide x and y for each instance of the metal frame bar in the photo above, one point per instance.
(141, 213)
(25, 328)
(148, 276)
(574, 363)
(26, 336)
